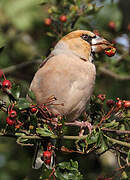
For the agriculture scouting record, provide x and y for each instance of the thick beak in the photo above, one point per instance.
(100, 44)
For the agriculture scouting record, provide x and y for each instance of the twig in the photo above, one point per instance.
(40, 137)
(13, 68)
(116, 131)
(108, 72)
(117, 141)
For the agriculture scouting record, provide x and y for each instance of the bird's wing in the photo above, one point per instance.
(45, 60)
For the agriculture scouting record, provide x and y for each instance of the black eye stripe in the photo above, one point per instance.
(87, 38)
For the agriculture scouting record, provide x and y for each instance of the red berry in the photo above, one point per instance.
(47, 155)
(126, 104)
(119, 103)
(6, 84)
(47, 162)
(110, 103)
(47, 21)
(33, 109)
(63, 18)
(12, 114)
(112, 25)
(110, 52)
(102, 97)
(10, 121)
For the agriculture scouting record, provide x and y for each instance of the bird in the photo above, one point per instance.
(69, 74)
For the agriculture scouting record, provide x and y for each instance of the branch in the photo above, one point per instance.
(13, 68)
(116, 131)
(108, 72)
(41, 137)
(115, 141)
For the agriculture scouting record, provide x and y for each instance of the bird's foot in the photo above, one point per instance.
(81, 124)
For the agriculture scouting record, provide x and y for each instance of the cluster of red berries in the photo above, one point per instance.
(48, 21)
(12, 114)
(122, 103)
(6, 84)
(48, 155)
(110, 102)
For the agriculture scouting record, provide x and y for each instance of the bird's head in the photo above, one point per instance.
(83, 43)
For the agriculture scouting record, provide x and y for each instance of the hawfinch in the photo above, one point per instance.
(68, 73)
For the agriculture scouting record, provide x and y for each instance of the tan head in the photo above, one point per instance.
(83, 43)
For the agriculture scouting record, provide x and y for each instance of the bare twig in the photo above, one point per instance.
(116, 131)
(118, 142)
(13, 68)
(108, 72)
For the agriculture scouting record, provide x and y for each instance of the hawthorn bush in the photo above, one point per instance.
(28, 33)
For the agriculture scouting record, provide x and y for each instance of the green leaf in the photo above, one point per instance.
(104, 146)
(68, 171)
(15, 91)
(93, 137)
(23, 104)
(99, 138)
(50, 34)
(112, 124)
(45, 132)
(32, 95)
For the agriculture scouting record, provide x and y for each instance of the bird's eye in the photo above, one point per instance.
(87, 38)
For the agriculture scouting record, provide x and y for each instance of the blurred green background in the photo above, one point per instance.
(25, 39)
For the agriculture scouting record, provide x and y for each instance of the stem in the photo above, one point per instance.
(39, 137)
(117, 141)
(116, 131)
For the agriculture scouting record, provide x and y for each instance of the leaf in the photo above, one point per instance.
(92, 138)
(50, 34)
(112, 124)
(15, 91)
(23, 104)
(45, 132)
(99, 138)
(32, 95)
(68, 171)
(104, 146)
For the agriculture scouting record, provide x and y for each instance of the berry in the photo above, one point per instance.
(126, 104)
(110, 52)
(6, 84)
(12, 114)
(63, 18)
(47, 21)
(102, 97)
(47, 157)
(112, 25)
(119, 103)
(10, 121)
(110, 103)
(33, 109)
(47, 162)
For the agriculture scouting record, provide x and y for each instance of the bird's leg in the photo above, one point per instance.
(81, 124)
